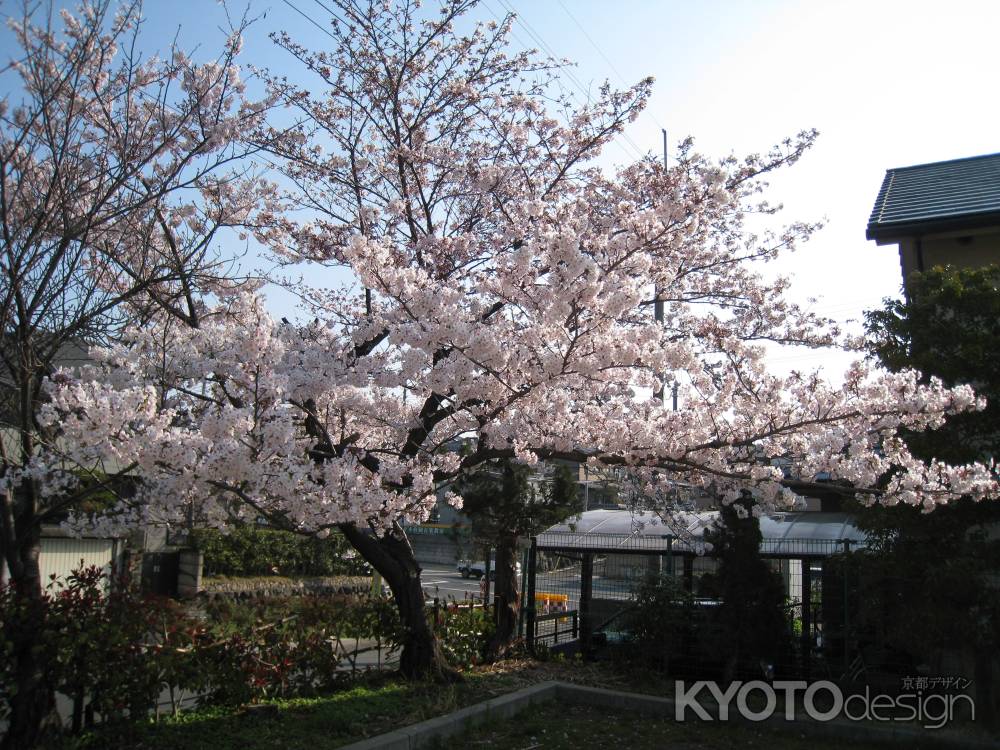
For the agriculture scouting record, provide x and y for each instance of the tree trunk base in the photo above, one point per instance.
(392, 556)
(507, 601)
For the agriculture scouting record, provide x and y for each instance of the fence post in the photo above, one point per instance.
(530, 604)
(522, 592)
(806, 614)
(847, 616)
(487, 569)
(586, 593)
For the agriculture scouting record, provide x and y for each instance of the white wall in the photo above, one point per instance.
(60, 556)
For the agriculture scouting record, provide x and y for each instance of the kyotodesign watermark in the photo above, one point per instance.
(822, 700)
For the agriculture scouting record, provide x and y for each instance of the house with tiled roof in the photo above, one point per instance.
(945, 213)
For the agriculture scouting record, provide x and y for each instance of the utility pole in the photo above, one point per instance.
(657, 302)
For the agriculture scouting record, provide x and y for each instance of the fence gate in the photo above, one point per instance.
(572, 594)
(553, 583)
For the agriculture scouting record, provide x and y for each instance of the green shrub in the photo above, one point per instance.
(114, 650)
(463, 632)
(752, 628)
(96, 642)
(253, 551)
(663, 622)
(287, 647)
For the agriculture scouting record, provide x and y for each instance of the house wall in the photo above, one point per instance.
(966, 249)
(61, 556)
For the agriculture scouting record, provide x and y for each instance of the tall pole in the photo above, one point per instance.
(657, 302)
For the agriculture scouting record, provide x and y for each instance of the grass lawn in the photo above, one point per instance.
(384, 703)
(569, 727)
(378, 705)
(327, 721)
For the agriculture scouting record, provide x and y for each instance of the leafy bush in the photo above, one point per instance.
(463, 631)
(752, 627)
(93, 640)
(250, 551)
(115, 651)
(664, 623)
(287, 646)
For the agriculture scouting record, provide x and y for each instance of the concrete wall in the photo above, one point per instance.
(439, 549)
(189, 565)
(633, 567)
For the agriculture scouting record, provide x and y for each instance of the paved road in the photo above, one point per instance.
(444, 582)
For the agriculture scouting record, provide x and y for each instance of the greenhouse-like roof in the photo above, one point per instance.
(800, 534)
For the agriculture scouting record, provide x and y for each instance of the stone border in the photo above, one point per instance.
(442, 727)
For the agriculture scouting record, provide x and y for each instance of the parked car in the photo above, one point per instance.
(477, 569)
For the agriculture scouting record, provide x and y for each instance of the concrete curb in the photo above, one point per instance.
(426, 732)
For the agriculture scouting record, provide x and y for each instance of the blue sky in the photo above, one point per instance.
(887, 82)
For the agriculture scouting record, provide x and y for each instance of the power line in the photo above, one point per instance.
(604, 57)
(330, 10)
(524, 24)
(567, 72)
(310, 19)
(593, 43)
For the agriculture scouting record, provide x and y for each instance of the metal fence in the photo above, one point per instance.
(841, 615)
(581, 597)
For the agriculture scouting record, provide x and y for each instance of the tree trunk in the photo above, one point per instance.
(34, 700)
(392, 556)
(488, 573)
(507, 600)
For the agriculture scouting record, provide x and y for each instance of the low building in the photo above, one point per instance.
(945, 213)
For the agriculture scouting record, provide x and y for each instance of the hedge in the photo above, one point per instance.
(255, 551)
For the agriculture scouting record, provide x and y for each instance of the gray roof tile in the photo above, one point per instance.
(936, 197)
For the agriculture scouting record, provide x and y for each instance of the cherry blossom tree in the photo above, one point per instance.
(118, 172)
(505, 289)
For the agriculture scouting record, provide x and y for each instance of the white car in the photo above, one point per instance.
(477, 569)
